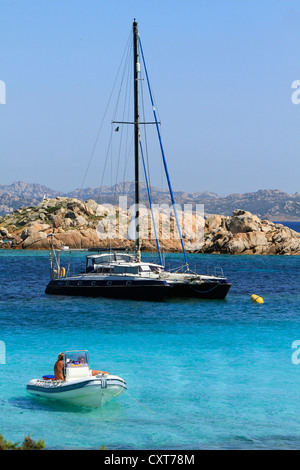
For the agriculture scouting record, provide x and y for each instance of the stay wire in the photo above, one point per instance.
(125, 107)
(147, 175)
(104, 117)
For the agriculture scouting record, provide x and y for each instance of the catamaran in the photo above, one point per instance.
(119, 274)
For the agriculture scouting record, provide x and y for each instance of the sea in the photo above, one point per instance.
(200, 374)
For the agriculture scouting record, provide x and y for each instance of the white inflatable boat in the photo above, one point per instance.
(80, 386)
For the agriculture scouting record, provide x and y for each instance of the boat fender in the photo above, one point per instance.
(62, 272)
(256, 299)
(99, 372)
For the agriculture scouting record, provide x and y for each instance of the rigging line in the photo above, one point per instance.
(126, 99)
(126, 67)
(163, 156)
(148, 183)
(104, 116)
(150, 203)
(106, 159)
(145, 133)
(129, 48)
(109, 149)
(111, 160)
(126, 163)
(126, 72)
(128, 144)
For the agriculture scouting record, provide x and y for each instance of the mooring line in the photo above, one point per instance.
(139, 402)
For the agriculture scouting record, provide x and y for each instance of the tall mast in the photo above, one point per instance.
(136, 69)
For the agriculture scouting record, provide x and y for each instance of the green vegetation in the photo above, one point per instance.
(28, 444)
(53, 209)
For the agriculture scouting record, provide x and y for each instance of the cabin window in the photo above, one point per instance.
(144, 268)
(103, 270)
(89, 265)
(126, 269)
(105, 259)
(127, 258)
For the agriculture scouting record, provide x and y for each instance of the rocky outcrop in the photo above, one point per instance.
(244, 233)
(63, 221)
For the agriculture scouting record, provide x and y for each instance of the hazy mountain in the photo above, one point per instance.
(22, 189)
(110, 194)
(21, 194)
(272, 204)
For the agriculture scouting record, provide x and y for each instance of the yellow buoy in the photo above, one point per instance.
(256, 299)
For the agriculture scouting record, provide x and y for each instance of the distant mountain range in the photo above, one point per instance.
(271, 204)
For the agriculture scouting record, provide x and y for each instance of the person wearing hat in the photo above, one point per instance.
(59, 367)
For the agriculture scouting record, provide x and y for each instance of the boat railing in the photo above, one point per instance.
(215, 271)
(58, 271)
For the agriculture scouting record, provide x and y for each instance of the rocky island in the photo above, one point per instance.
(64, 221)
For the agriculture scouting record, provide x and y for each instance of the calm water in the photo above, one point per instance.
(200, 374)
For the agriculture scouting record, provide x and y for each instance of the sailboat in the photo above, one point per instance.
(119, 274)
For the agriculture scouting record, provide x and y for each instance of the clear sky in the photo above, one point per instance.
(221, 72)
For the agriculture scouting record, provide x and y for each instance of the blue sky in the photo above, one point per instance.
(221, 72)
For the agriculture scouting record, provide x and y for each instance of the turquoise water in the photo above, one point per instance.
(200, 374)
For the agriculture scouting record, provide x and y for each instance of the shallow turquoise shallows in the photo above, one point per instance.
(200, 374)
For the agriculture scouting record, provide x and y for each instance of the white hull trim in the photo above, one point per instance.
(93, 391)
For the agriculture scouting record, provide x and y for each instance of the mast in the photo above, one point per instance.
(136, 69)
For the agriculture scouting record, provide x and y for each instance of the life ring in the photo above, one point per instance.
(62, 272)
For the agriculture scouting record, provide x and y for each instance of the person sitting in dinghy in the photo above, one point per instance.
(59, 367)
(81, 360)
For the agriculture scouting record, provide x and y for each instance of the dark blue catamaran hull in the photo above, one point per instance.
(151, 290)
(207, 290)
